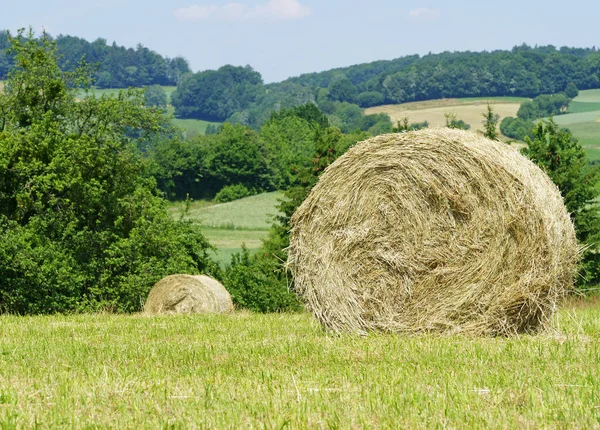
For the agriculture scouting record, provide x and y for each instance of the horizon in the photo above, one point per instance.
(282, 39)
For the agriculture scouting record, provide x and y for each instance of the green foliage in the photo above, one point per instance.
(559, 154)
(230, 193)
(522, 72)
(236, 156)
(453, 122)
(155, 96)
(81, 224)
(516, 128)
(490, 123)
(571, 91)
(252, 287)
(341, 89)
(404, 125)
(543, 106)
(215, 95)
(369, 98)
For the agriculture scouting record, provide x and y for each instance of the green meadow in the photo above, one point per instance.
(283, 371)
(583, 120)
(228, 226)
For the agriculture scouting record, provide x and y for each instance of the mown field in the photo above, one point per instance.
(283, 371)
(469, 110)
(230, 225)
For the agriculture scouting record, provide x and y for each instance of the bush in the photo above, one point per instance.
(81, 223)
(516, 128)
(252, 286)
(230, 193)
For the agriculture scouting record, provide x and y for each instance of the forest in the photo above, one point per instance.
(117, 66)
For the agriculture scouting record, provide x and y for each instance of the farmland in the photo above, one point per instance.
(284, 371)
(469, 110)
(583, 120)
(229, 225)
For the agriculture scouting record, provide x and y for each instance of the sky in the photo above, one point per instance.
(284, 38)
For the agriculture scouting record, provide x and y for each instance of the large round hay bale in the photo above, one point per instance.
(187, 294)
(433, 231)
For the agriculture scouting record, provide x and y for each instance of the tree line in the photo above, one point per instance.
(524, 71)
(117, 66)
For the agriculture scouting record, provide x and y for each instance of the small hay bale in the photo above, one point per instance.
(433, 231)
(187, 294)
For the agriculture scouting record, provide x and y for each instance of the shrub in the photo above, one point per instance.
(230, 193)
(252, 286)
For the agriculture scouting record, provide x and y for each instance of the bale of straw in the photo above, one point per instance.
(187, 294)
(433, 231)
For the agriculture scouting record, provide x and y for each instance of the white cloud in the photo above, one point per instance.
(272, 10)
(424, 13)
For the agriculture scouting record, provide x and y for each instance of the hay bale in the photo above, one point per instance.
(186, 294)
(433, 231)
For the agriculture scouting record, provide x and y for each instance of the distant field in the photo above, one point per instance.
(469, 110)
(583, 120)
(229, 225)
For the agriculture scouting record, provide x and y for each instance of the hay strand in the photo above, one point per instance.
(433, 231)
(187, 294)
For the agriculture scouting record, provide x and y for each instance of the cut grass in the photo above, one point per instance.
(276, 371)
(588, 96)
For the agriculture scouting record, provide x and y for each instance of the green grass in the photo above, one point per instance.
(588, 96)
(577, 118)
(284, 371)
(579, 107)
(228, 226)
(250, 213)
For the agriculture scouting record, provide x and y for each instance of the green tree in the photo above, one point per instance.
(561, 156)
(155, 96)
(490, 123)
(453, 122)
(82, 225)
(571, 90)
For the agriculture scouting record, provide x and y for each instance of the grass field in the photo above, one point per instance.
(229, 225)
(469, 110)
(583, 120)
(284, 371)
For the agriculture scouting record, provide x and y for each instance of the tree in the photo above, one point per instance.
(571, 90)
(561, 156)
(155, 96)
(215, 95)
(453, 122)
(82, 225)
(490, 123)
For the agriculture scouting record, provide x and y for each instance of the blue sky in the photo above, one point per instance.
(283, 38)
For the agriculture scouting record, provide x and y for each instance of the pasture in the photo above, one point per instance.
(469, 110)
(284, 371)
(230, 225)
(583, 120)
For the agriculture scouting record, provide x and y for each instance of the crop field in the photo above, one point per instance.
(469, 110)
(229, 225)
(284, 371)
(583, 120)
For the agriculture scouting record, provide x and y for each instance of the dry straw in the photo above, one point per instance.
(186, 294)
(433, 231)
